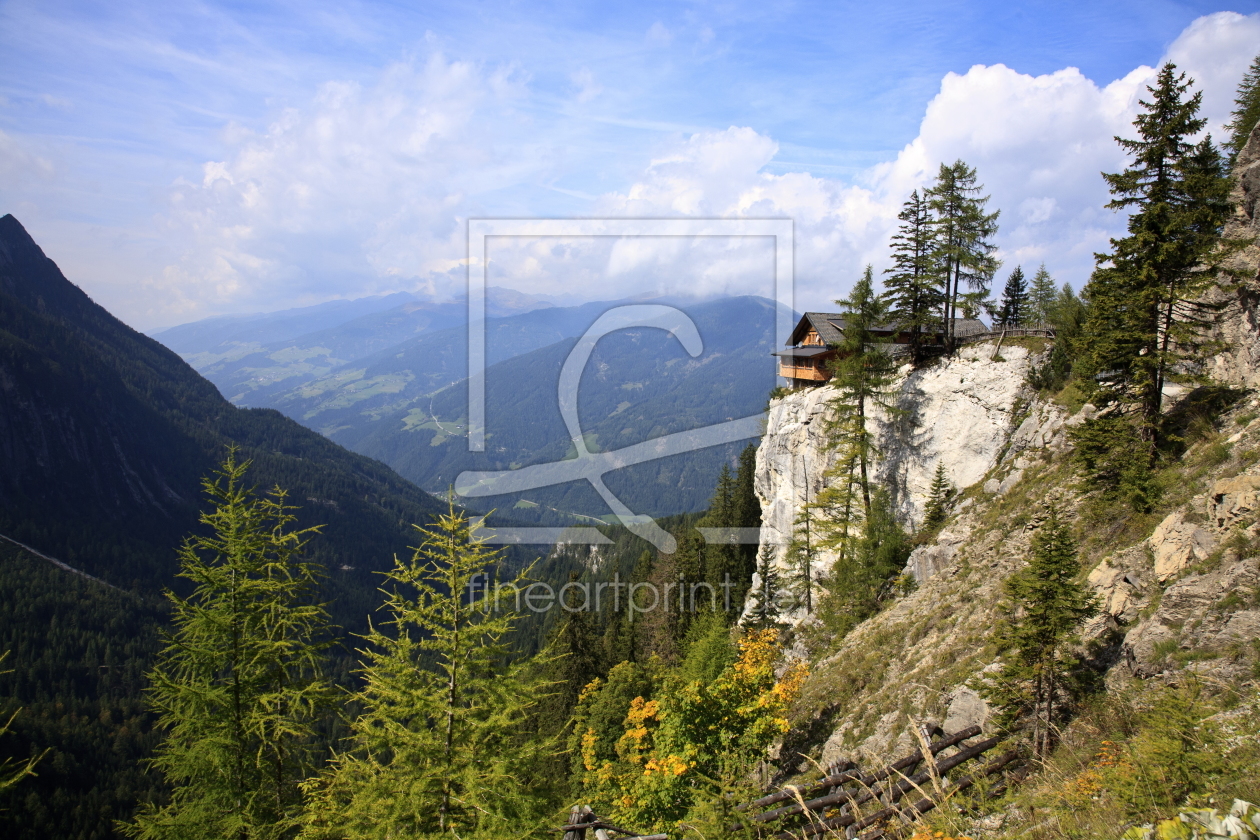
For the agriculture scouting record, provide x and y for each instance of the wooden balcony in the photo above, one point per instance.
(812, 374)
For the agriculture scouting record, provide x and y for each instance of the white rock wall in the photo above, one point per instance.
(958, 411)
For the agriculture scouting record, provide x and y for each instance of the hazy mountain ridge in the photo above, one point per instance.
(639, 384)
(106, 435)
(253, 358)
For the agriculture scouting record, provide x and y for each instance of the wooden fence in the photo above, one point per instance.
(850, 803)
(847, 802)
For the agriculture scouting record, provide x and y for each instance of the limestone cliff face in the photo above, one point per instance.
(965, 412)
(1239, 327)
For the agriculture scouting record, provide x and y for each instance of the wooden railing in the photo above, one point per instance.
(847, 802)
(811, 373)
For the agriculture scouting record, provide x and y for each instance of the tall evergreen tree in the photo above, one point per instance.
(239, 688)
(574, 651)
(938, 498)
(1146, 313)
(914, 282)
(964, 232)
(1246, 111)
(863, 377)
(764, 610)
(1015, 303)
(1047, 606)
(723, 561)
(1041, 296)
(440, 746)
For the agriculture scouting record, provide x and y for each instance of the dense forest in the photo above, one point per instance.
(317, 667)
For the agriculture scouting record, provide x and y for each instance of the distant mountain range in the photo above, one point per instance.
(105, 436)
(390, 383)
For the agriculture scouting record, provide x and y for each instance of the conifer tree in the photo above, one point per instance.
(724, 567)
(439, 747)
(857, 580)
(802, 545)
(763, 612)
(938, 498)
(1041, 297)
(1146, 313)
(1246, 111)
(964, 247)
(1047, 606)
(863, 380)
(13, 771)
(1015, 304)
(574, 651)
(914, 282)
(239, 688)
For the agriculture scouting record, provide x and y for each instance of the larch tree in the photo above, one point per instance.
(1041, 297)
(964, 240)
(439, 746)
(863, 377)
(1147, 318)
(240, 688)
(913, 283)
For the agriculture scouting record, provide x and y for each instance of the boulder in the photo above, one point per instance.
(1234, 499)
(1177, 543)
(966, 708)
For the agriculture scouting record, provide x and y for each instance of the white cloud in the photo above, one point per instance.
(367, 188)
(1039, 145)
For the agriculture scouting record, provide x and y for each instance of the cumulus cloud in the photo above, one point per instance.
(364, 190)
(368, 187)
(1039, 144)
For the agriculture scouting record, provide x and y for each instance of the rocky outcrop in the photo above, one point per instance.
(1239, 328)
(967, 412)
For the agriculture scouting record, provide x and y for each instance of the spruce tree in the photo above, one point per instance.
(1015, 303)
(764, 610)
(964, 247)
(440, 746)
(1147, 316)
(723, 562)
(239, 689)
(1047, 604)
(574, 656)
(1246, 111)
(1041, 297)
(938, 498)
(914, 282)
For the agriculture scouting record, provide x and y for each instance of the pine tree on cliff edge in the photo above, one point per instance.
(1147, 317)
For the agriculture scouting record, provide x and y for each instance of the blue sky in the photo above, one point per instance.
(182, 160)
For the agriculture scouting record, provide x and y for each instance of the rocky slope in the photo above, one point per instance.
(1180, 590)
(1179, 586)
(965, 412)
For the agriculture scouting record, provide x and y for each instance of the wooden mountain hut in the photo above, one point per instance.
(812, 345)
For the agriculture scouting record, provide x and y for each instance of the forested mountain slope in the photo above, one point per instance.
(639, 384)
(105, 436)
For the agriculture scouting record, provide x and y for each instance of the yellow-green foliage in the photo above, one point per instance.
(675, 755)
